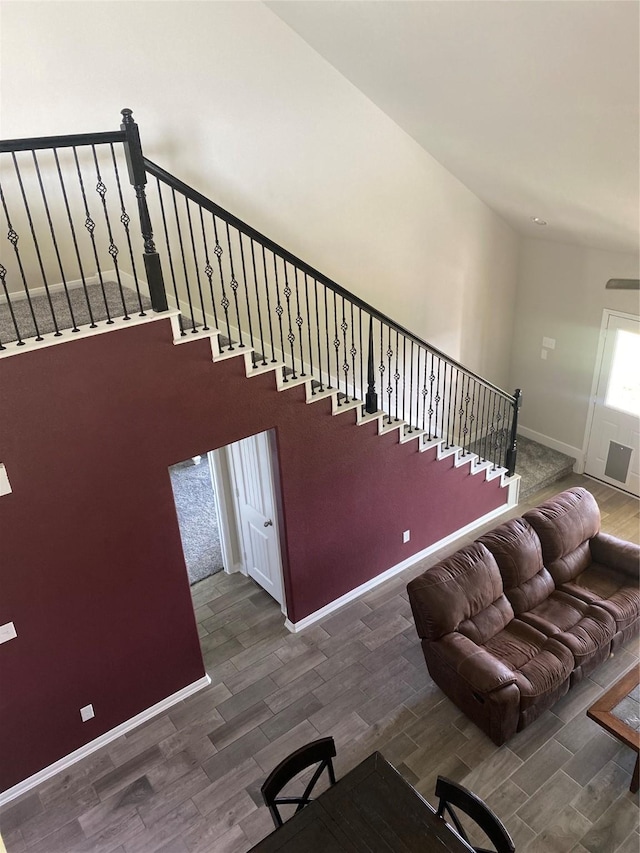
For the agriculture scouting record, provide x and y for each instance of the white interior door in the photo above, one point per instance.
(613, 449)
(256, 512)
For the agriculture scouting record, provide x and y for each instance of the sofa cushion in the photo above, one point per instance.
(540, 664)
(610, 590)
(516, 549)
(465, 589)
(564, 526)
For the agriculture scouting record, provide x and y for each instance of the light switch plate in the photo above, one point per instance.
(549, 343)
(5, 485)
(7, 632)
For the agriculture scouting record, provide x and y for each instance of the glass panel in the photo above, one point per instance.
(623, 391)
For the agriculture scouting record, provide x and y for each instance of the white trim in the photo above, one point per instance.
(554, 444)
(294, 627)
(103, 740)
(85, 332)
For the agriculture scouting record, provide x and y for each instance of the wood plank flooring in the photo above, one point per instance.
(188, 781)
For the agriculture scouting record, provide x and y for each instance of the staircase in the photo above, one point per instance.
(65, 205)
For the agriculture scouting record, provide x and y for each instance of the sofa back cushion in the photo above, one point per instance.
(565, 524)
(463, 592)
(518, 553)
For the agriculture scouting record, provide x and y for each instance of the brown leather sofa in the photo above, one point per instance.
(511, 621)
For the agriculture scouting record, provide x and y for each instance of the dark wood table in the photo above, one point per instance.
(370, 810)
(618, 711)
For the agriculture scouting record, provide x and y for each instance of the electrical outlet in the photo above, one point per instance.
(7, 632)
(87, 713)
(5, 485)
(406, 536)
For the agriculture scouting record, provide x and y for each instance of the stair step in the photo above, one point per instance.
(386, 427)
(340, 403)
(407, 435)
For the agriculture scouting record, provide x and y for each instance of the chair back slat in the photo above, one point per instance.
(320, 752)
(453, 796)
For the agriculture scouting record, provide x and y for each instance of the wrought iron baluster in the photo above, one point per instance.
(279, 309)
(299, 322)
(473, 429)
(125, 219)
(57, 332)
(101, 190)
(92, 323)
(233, 284)
(381, 367)
(208, 271)
(438, 400)
(396, 375)
(315, 284)
(246, 295)
(3, 279)
(326, 329)
(464, 414)
(218, 251)
(483, 424)
(90, 227)
(196, 265)
(425, 392)
(255, 280)
(306, 299)
(353, 353)
(345, 364)
(54, 240)
(389, 385)
(184, 262)
(404, 380)
(13, 238)
(266, 286)
(457, 412)
(290, 336)
(170, 259)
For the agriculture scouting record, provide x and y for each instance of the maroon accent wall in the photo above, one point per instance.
(91, 565)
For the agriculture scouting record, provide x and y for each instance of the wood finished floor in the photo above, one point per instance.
(188, 781)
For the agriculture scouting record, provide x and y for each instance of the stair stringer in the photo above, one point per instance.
(340, 406)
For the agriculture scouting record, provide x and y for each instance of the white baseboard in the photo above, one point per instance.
(103, 740)
(576, 452)
(294, 627)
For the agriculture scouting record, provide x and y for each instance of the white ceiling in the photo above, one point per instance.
(532, 104)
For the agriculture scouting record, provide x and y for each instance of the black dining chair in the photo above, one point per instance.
(320, 752)
(453, 796)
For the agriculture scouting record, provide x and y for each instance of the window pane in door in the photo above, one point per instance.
(623, 391)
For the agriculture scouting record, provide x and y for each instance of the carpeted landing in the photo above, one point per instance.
(196, 508)
(97, 303)
(539, 466)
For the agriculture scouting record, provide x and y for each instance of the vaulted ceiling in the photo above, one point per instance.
(532, 104)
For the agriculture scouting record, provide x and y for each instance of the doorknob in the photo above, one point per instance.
(268, 523)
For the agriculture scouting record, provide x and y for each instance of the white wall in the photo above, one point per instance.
(561, 295)
(231, 100)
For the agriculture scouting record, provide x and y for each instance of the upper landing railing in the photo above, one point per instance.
(68, 205)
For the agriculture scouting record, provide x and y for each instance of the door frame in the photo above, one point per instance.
(230, 527)
(606, 314)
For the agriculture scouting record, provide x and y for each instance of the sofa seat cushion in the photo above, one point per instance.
(590, 639)
(540, 664)
(558, 612)
(609, 589)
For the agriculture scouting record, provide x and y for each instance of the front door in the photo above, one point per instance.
(613, 448)
(257, 520)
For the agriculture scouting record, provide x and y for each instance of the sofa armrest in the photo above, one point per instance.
(616, 554)
(483, 672)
